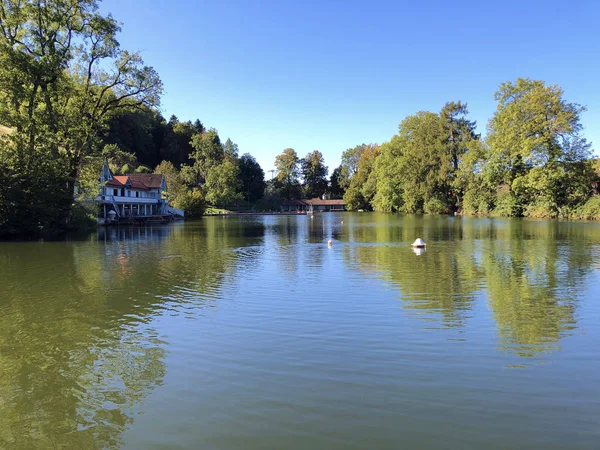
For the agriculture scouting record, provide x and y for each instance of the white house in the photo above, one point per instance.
(134, 196)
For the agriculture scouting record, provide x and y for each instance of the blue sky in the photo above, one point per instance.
(333, 74)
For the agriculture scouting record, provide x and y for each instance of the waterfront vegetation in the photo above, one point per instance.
(70, 96)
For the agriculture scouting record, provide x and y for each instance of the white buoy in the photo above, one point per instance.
(329, 243)
(419, 243)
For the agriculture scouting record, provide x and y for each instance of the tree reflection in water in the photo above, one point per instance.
(529, 272)
(77, 344)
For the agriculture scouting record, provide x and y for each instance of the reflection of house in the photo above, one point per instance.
(318, 204)
(134, 196)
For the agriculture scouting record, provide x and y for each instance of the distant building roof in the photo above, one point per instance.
(137, 184)
(141, 181)
(321, 202)
(150, 180)
(312, 201)
(293, 203)
(118, 180)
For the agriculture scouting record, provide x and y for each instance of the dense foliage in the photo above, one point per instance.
(288, 172)
(252, 178)
(63, 76)
(314, 174)
(70, 96)
(534, 161)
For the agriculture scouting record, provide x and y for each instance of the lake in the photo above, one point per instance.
(251, 333)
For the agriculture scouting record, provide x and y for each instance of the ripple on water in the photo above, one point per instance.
(292, 344)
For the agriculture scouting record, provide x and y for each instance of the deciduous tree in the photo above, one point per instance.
(536, 149)
(208, 152)
(286, 165)
(314, 174)
(63, 74)
(252, 178)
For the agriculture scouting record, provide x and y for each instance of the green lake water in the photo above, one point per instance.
(252, 333)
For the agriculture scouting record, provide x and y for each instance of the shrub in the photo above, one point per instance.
(192, 202)
(435, 206)
(506, 203)
(590, 210)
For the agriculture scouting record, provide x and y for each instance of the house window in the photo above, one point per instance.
(115, 192)
(137, 194)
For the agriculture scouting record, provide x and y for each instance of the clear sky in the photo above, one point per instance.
(333, 74)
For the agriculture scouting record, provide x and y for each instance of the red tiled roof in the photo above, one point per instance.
(120, 180)
(320, 202)
(135, 184)
(150, 180)
(141, 181)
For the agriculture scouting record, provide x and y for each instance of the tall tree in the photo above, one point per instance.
(536, 149)
(335, 184)
(314, 174)
(417, 162)
(139, 131)
(208, 152)
(175, 184)
(198, 126)
(361, 189)
(349, 165)
(178, 148)
(252, 178)
(231, 150)
(286, 165)
(460, 132)
(222, 187)
(63, 75)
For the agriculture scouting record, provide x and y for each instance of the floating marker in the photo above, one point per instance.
(419, 243)
(329, 243)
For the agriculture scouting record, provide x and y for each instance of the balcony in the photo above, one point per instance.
(119, 199)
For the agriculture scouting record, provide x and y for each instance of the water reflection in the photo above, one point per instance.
(132, 234)
(437, 284)
(418, 251)
(90, 330)
(530, 273)
(78, 344)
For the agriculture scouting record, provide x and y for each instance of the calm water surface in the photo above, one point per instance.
(250, 333)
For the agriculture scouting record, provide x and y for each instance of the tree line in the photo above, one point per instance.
(70, 96)
(199, 168)
(533, 162)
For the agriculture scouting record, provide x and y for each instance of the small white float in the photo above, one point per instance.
(419, 243)
(329, 243)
